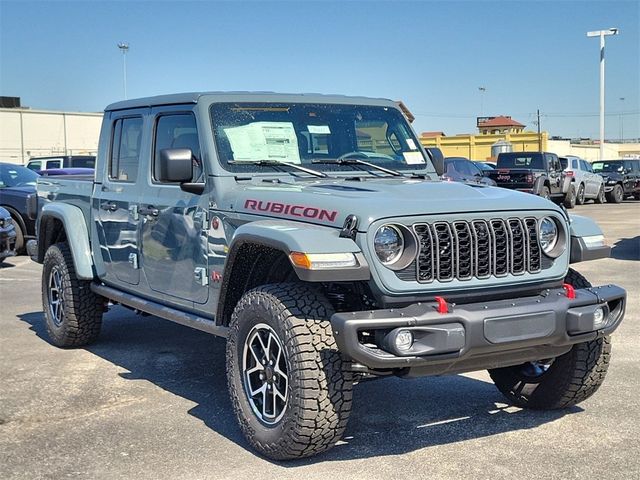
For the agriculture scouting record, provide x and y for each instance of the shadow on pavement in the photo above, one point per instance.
(626, 249)
(390, 416)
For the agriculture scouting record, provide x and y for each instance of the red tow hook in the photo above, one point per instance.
(442, 305)
(571, 292)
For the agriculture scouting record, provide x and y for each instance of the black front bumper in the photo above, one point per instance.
(478, 335)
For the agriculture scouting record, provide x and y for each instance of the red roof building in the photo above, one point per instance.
(501, 124)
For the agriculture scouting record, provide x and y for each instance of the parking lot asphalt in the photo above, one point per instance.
(149, 400)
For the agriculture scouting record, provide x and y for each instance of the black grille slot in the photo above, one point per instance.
(477, 249)
(425, 264)
(500, 248)
(464, 258)
(518, 246)
(444, 253)
(484, 256)
(534, 246)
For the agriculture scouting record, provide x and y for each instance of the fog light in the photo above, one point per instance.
(599, 318)
(404, 340)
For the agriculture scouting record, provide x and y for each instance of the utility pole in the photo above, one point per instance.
(124, 47)
(539, 136)
(622, 121)
(602, 34)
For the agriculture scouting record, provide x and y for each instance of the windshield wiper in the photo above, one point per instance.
(278, 163)
(357, 161)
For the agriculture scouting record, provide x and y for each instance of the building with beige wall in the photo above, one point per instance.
(26, 133)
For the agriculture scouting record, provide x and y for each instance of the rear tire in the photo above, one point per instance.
(580, 195)
(570, 197)
(305, 405)
(601, 197)
(560, 382)
(616, 195)
(72, 312)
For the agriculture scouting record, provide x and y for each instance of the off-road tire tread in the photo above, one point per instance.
(83, 308)
(571, 378)
(324, 383)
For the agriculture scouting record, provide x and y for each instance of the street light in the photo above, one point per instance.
(481, 90)
(602, 34)
(124, 47)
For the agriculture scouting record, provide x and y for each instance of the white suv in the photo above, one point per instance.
(587, 184)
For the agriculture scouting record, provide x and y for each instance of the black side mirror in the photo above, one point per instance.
(176, 165)
(437, 158)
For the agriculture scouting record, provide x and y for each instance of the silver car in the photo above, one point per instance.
(587, 184)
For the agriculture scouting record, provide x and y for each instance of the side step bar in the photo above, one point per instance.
(162, 311)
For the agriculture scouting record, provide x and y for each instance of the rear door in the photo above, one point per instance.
(116, 201)
(554, 169)
(174, 223)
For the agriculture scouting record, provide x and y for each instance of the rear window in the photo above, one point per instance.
(82, 162)
(519, 160)
(563, 162)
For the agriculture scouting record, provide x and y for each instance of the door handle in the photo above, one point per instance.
(109, 206)
(148, 210)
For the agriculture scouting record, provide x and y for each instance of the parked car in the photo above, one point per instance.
(7, 235)
(539, 173)
(343, 256)
(63, 161)
(587, 184)
(621, 178)
(17, 186)
(486, 167)
(459, 169)
(54, 172)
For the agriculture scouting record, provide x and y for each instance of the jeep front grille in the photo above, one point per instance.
(476, 249)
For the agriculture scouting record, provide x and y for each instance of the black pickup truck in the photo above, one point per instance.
(539, 173)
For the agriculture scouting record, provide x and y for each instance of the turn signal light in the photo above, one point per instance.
(320, 261)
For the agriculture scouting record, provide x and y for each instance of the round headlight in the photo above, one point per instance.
(388, 244)
(548, 234)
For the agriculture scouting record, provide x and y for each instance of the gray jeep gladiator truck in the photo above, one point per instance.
(313, 233)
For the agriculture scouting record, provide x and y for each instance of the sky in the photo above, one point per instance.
(433, 55)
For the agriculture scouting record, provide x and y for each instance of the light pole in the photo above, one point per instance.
(481, 90)
(602, 34)
(124, 47)
(622, 121)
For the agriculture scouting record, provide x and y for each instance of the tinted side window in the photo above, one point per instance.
(125, 149)
(178, 131)
(35, 166)
(54, 164)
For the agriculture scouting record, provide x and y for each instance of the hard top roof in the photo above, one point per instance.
(194, 97)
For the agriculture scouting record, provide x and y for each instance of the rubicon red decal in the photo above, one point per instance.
(291, 210)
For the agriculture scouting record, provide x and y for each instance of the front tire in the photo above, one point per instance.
(616, 195)
(72, 312)
(560, 382)
(290, 387)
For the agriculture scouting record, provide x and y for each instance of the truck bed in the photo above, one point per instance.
(72, 189)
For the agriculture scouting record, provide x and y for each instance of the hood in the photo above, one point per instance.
(329, 202)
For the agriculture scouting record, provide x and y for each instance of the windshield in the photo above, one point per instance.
(515, 160)
(303, 133)
(16, 176)
(607, 166)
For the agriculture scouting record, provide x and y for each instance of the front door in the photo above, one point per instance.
(117, 198)
(174, 222)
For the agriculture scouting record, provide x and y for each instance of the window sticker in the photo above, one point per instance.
(411, 144)
(319, 129)
(413, 158)
(264, 141)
